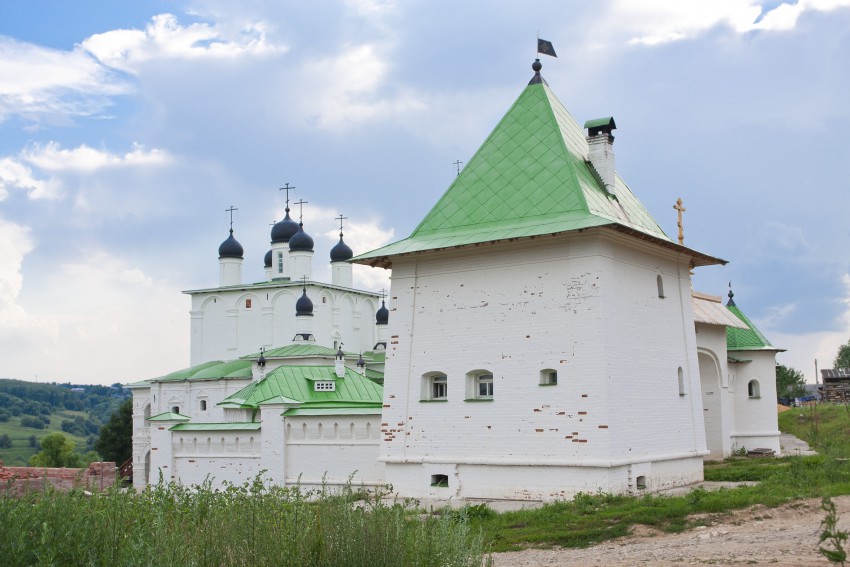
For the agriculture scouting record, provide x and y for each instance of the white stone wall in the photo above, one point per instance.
(717, 390)
(223, 327)
(755, 421)
(333, 450)
(217, 456)
(585, 306)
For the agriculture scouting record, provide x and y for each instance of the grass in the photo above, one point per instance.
(254, 524)
(591, 519)
(19, 454)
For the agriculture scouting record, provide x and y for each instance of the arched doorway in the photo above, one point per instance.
(709, 377)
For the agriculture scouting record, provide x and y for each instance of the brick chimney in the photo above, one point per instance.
(600, 155)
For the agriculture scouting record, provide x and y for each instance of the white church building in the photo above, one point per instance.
(543, 339)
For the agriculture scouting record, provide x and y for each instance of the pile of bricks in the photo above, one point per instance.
(97, 476)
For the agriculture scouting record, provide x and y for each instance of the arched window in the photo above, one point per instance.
(280, 262)
(203, 405)
(681, 382)
(660, 283)
(435, 387)
(175, 409)
(753, 389)
(479, 385)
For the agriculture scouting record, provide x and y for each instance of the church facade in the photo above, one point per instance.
(543, 339)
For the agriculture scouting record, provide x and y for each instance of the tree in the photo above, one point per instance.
(56, 451)
(33, 441)
(842, 359)
(5, 441)
(790, 382)
(116, 437)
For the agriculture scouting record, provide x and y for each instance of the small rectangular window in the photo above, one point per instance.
(440, 480)
(439, 387)
(484, 385)
(548, 378)
(203, 405)
(280, 262)
(247, 304)
(325, 386)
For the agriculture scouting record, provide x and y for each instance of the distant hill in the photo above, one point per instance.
(29, 411)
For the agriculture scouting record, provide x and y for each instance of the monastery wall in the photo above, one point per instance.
(649, 341)
(229, 323)
(333, 450)
(755, 420)
(580, 307)
(716, 389)
(221, 456)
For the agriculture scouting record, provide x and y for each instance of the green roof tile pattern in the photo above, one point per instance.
(745, 339)
(245, 426)
(294, 384)
(530, 177)
(169, 416)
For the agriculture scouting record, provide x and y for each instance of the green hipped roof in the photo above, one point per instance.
(169, 416)
(745, 339)
(530, 177)
(294, 384)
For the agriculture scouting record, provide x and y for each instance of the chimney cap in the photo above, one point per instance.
(600, 126)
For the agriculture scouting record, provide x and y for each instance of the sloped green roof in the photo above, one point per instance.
(530, 177)
(245, 426)
(295, 384)
(215, 369)
(745, 339)
(169, 416)
(294, 350)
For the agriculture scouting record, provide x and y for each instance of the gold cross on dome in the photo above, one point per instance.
(678, 206)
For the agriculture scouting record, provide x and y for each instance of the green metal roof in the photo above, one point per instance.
(530, 177)
(169, 416)
(245, 426)
(295, 350)
(745, 339)
(215, 369)
(294, 384)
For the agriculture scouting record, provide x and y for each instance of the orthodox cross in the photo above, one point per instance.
(230, 210)
(341, 218)
(383, 293)
(300, 204)
(287, 188)
(457, 164)
(678, 206)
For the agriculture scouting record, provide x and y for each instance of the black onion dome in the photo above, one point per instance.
(382, 317)
(267, 261)
(341, 252)
(284, 230)
(301, 241)
(304, 306)
(230, 248)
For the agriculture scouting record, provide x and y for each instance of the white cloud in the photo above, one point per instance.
(108, 318)
(351, 89)
(16, 324)
(165, 38)
(41, 83)
(51, 157)
(14, 175)
(654, 22)
(804, 349)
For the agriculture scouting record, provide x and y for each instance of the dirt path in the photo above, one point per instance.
(786, 536)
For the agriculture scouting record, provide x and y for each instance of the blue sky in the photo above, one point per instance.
(127, 129)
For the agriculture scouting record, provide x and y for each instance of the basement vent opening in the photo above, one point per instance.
(641, 482)
(440, 480)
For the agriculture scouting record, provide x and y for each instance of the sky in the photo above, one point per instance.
(128, 128)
